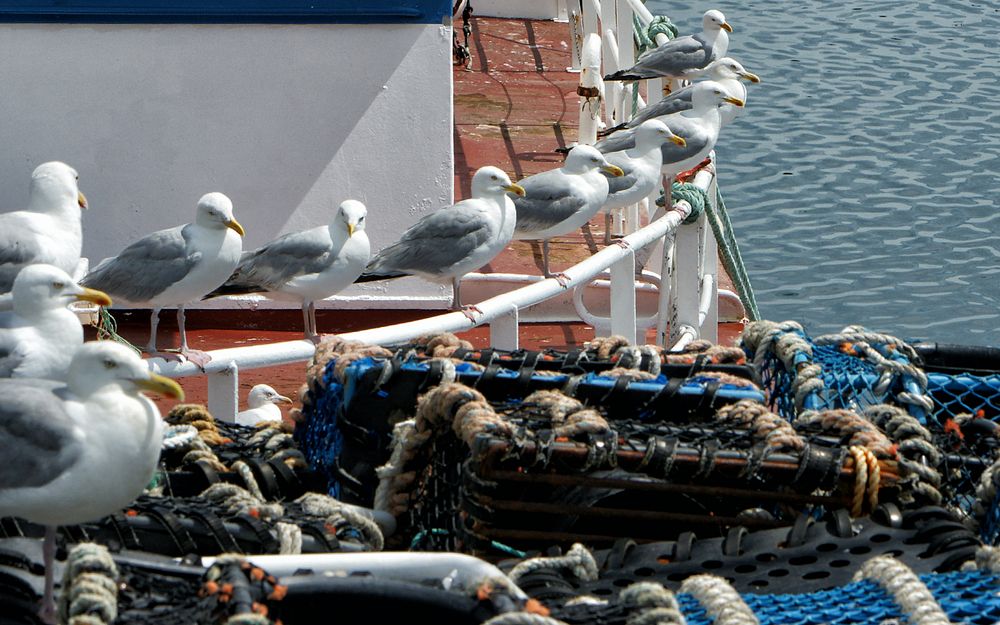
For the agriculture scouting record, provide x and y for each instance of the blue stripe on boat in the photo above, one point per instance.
(226, 11)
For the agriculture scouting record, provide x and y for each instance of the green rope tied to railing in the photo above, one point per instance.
(107, 330)
(722, 228)
(693, 195)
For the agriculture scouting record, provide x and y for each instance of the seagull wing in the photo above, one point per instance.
(148, 267)
(435, 243)
(38, 439)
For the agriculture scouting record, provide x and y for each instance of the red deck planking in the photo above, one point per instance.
(513, 107)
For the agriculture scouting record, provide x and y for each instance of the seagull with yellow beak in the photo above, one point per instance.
(449, 243)
(306, 266)
(559, 201)
(40, 335)
(48, 230)
(683, 57)
(79, 451)
(176, 266)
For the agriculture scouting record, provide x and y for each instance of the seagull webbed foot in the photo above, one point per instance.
(468, 310)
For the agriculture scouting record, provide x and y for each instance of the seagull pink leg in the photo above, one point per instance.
(196, 356)
(48, 610)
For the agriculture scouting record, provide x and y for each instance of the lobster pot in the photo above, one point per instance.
(535, 484)
(953, 390)
(352, 403)
(812, 554)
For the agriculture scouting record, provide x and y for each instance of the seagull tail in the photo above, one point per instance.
(607, 131)
(380, 275)
(625, 75)
(232, 288)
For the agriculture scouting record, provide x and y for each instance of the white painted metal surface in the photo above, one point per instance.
(288, 120)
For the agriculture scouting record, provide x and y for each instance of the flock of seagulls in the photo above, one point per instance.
(80, 439)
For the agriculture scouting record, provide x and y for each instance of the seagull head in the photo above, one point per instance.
(653, 133)
(708, 94)
(728, 67)
(493, 181)
(584, 158)
(54, 185)
(101, 365)
(215, 210)
(262, 394)
(352, 213)
(43, 287)
(715, 20)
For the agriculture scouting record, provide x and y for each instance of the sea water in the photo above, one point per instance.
(863, 176)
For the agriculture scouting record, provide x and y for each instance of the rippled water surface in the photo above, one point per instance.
(863, 176)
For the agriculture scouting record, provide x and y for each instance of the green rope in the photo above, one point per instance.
(107, 330)
(694, 196)
(731, 257)
(722, 228)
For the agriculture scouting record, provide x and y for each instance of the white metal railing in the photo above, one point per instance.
(685, 256)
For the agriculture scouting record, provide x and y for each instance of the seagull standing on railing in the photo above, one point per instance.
(262, 406)
(49, 230)
(176, 266)
(40, 335)
(449, 243)
(699, 128)
(683, 57)
(306, 266)
(725, 71)
(77, 452)
(561, 200)
(641, 166)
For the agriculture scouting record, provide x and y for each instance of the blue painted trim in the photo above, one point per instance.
(226, 11)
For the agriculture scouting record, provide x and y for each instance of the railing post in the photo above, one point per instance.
(686, 279)
(504, 331)
(590, 89)
(623, 297)
(710, 267)
(224, 393)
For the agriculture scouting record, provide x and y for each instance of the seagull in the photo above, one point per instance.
(74, 453)
(261, 402)
(561, 200)
(306, 266)
(40, 335)
(641, 166)
(448, 243)
(683, 57)
(48, 231)
(175, 266)
(726, 71)
(699, 127)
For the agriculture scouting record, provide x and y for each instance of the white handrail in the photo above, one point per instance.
(257, 356)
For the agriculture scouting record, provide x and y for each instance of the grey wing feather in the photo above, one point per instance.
(295, 254)
(549, 199)
(146, 268)
(17, 249)
(621, 140)
(676, 102)
(37, 440)
(675, 56)
(693, 134)
(434, 243)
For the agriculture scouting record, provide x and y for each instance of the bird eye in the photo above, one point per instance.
(494, 178)
(596, 160)
(58, 285)
(110, 364)
(361, 219)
